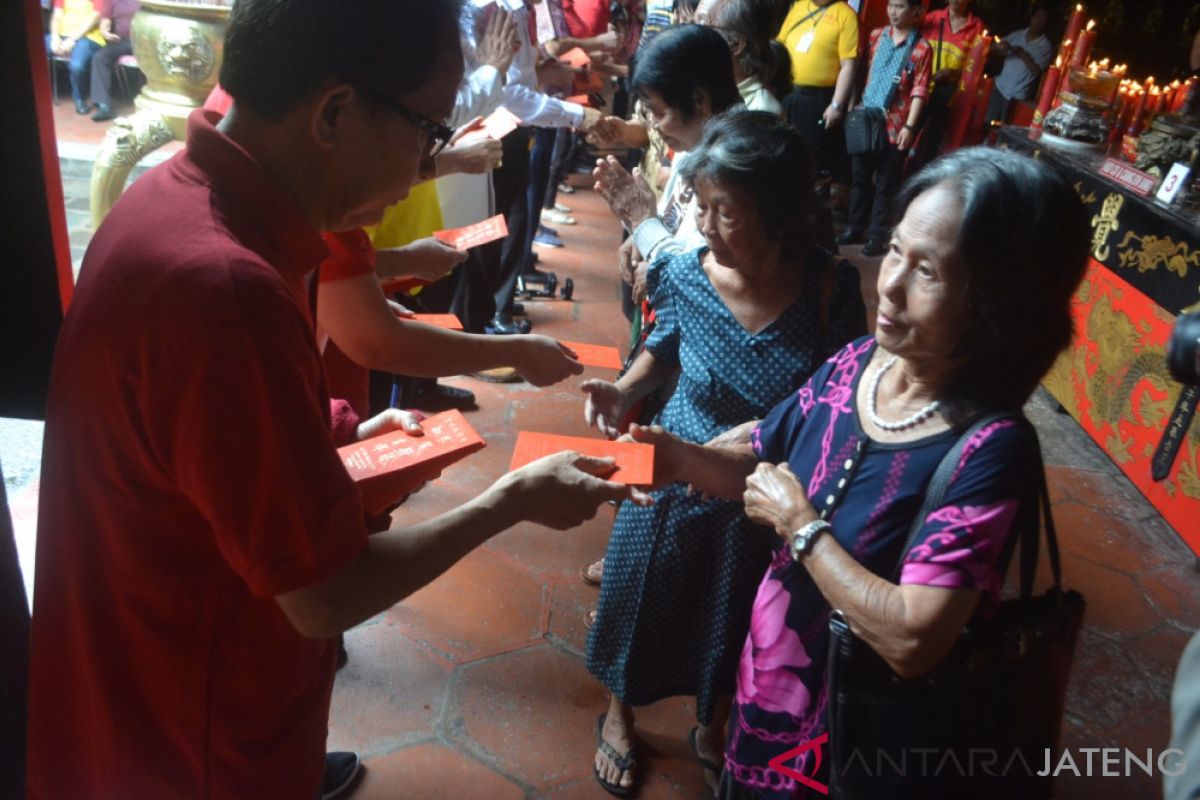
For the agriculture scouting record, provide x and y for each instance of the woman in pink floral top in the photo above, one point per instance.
(970, 318)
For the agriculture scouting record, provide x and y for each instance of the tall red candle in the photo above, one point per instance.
(1075, 24)
(1064, 58)
(1137, 115)
(1049, 89)
(1083, 49)
(965, 97)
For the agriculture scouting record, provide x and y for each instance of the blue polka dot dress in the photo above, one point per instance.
(680, 576)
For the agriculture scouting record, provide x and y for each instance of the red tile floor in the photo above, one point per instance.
(476, 687)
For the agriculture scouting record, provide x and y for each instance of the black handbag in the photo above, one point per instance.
(866, 128)
(982, 722)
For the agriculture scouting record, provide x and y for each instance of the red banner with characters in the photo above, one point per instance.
(1114, 381)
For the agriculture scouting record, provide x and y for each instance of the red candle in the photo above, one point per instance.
(1181, 96)
(1074, 25)
(1137, 115)
(1083, 49)
(1064, 58)
(1049, 89)
(1118, 116)
(965, 97)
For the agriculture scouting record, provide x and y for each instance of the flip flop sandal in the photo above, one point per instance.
(707, 765)
(625, 763)
(586, 576)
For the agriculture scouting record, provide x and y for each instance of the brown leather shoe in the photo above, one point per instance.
(498, 375)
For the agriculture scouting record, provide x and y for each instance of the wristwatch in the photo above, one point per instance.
(803, 539)
(836, 105)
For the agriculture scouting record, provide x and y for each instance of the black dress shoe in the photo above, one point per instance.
(342, 771)
(874, 247)
(518, 309)
(503, 325)
(82, 107)
(434, 395)
(850, 236)
(103, 113)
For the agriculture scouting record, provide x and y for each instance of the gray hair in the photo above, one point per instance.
(750, 23)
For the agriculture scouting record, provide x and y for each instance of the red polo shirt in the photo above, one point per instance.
(188, 478)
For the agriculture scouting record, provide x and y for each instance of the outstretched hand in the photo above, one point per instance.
(605, 406)
(669, 452)
(629, 196)
(544, 361)
(564, 490)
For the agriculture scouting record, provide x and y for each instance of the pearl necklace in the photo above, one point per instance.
(911, 421)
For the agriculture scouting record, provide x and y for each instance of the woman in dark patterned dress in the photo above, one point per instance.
(971, 316)
(745, 320)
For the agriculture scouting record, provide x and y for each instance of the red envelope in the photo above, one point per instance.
(392, 465)
(635, 461)
(474, 235)
(581, 99)
(597, 355)
(450, 322)
(576, 57)
(497, 125)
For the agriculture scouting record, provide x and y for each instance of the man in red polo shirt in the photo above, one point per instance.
(951, 33)
(199, 541)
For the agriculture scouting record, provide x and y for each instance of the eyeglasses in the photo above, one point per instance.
(439, 134)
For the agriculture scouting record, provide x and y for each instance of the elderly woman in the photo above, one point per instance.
(970, 318)
(744, 319)
(749, 28)
(681, 80)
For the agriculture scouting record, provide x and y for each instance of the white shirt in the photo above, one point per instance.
(521, 94)
(1016, 81)
(758, 97)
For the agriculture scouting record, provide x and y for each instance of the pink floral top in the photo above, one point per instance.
(780, 702)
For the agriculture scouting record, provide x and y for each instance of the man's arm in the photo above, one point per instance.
(560, 491)
(356, 316)
(841, 93)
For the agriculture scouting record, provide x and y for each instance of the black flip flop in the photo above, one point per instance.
(709, 766)
(625, 763)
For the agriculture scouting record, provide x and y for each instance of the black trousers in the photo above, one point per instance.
(804, 108)
(876, 179)
(541, 163)
(104, 64)
(504, 260)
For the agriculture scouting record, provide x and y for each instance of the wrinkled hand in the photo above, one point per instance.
(605, 406)
(428, 259)
(590, 119)
(391, 420)
(628, 258)
(669, 452)
(629, 196)
(832, 117)
(471, 156)
(734, 437)
(607, 131)
(609, 40)
(564, 490)
(774, 497)
(639, 290)
(498, 42)
(544, 361)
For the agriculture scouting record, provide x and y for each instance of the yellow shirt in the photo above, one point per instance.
(414, 217)
(818, 39)
(75, 13)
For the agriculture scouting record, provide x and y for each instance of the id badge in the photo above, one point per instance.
(804, 44)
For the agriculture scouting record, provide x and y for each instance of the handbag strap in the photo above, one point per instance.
(910, 44)
(935, 492)
(1027, 521)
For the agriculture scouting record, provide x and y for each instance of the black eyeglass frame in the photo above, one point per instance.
(440, 134)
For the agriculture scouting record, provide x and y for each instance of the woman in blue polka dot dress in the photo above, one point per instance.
(744, 320)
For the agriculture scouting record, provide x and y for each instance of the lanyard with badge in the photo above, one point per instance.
(804, 43)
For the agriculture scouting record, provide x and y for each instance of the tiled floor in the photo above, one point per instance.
(475, 687)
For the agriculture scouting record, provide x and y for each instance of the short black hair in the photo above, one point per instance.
(681, 60)
(278, 52)
(1023, 242)
(750, 22)
(763, 155)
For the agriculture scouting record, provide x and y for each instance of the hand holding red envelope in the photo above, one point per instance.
(635, 461)
(474, 235)
(596, 355)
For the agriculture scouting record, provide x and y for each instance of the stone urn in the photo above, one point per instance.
(178, 46)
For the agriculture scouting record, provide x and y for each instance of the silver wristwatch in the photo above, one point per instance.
(804, 539)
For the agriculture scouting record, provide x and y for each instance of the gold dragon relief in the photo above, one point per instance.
(1152, 252)
(1125, 380)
